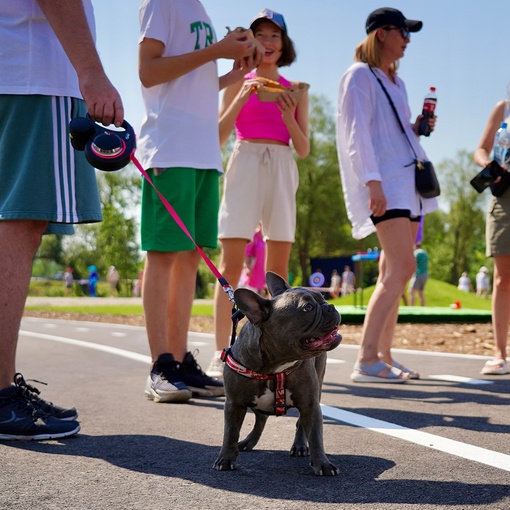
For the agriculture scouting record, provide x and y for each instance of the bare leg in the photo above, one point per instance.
(501, 304)
(181, 293)
(168, 292)
(396, 238)
(231, 265)
(277, 257)
(19, 240)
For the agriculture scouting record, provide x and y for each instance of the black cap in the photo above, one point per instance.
(387, 16)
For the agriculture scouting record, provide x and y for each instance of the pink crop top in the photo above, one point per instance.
(261, 120)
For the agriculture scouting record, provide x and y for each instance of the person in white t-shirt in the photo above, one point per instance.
(51, 73)
(179, 146)
(465, 283)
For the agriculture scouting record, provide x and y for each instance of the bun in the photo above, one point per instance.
(270, 90)
(249, 34)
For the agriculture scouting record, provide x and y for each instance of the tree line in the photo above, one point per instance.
(454, 236)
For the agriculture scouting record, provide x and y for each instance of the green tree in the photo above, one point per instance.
(322, 229)
(455, 237)
(114, 240)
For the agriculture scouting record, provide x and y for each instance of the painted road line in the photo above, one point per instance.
(463, 450)
(459, 379)
(90, 345)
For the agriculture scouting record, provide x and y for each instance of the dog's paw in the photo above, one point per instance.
(222, 464)
(299, 450)
(325, 469)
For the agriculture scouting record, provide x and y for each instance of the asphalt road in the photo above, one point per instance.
(440, 442)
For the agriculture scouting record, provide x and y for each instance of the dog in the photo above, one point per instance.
(285, 338)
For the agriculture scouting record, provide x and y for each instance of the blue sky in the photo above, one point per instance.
(461, 50)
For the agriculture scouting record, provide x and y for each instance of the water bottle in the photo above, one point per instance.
(429, 107)
(501, 146)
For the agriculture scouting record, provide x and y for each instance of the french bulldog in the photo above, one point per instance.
(288, 334)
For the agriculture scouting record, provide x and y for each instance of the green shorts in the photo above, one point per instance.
(42, 176)
(194, 194)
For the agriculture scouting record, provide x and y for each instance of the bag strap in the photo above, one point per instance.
(396, 114)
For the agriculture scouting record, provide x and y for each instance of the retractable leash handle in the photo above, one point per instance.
(105, 149)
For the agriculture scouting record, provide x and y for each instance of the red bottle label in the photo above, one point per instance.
(429, 105)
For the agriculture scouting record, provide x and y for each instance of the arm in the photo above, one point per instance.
(154, 69)
(297, 124)
(240, 69)
(69, 22)
(234, 98)
(482, 152)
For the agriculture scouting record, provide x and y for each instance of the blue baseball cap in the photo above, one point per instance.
(269, 15)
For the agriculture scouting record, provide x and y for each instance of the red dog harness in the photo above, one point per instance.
(280, 407)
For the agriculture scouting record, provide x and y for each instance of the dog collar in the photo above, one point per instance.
(280, 407)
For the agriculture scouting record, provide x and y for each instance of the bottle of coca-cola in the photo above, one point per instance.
(429, 107)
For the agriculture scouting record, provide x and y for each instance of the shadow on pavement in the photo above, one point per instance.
(269, 474)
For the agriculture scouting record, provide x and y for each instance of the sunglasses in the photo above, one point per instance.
(404, 32)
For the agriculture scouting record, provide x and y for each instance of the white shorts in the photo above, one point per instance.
(260, 185)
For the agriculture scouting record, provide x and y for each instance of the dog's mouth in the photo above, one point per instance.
(324, 343)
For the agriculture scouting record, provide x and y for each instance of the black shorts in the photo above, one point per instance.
(394, 213)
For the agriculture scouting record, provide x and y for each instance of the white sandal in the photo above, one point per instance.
(495, 367)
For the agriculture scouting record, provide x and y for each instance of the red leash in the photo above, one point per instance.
(225, 285)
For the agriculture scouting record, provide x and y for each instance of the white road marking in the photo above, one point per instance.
(118, 334)
(459, 379)
(90, 345)
(450, 446)
(464, 450)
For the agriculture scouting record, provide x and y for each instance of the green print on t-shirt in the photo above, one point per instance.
(199, 26)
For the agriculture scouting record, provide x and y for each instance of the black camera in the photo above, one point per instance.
(487, 176)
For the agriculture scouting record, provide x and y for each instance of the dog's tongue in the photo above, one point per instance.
(325, 343)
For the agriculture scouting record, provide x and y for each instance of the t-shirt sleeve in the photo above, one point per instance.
(155, 20)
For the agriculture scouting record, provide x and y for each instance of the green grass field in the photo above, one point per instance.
(437, 294)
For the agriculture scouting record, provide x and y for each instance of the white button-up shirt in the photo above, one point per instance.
(371, 146)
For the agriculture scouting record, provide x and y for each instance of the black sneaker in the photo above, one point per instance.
(32, 393)
(20, 419)
(198, 382)
(164, 383)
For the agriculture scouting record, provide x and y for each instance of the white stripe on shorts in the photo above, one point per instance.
(63, 162)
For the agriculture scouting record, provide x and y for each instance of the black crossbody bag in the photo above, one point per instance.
(424, 173)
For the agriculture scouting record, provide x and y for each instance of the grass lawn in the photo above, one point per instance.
(437, 294)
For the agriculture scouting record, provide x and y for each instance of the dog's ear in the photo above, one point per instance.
(255, 307)
(276, 284)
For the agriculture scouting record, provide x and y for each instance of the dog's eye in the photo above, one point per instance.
(308, 307)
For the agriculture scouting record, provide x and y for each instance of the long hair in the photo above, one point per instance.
(369, 52)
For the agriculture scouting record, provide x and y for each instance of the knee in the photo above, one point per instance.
(502, 282)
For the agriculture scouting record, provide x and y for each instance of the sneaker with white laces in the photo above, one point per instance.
(215, 368)
(32, 393)
(20, 420)
(198, 382)
(165, 383)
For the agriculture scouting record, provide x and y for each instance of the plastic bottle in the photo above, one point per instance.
(501, 145)
(429, 107)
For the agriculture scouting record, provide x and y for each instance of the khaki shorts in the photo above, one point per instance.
(497, 231)
(260, 186)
